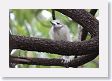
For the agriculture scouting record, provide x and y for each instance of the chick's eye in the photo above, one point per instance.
(58, 23)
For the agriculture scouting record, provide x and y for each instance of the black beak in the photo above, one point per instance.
(51, 22)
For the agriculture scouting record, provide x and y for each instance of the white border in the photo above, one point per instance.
(102, 71)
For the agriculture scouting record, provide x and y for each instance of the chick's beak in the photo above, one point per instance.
(51, 22)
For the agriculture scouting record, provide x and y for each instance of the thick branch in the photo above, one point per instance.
(84, 31)
(57, 47)
(52, 62)
(84, 34)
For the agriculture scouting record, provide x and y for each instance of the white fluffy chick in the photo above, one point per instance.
(58, 32)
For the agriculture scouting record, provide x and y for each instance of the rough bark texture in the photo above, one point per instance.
(56, 47)
(88, 49)
(52, 62)
(84, 31)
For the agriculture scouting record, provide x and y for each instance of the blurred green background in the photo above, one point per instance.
(36, 23)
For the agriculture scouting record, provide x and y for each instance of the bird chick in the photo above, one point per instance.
(59, 32)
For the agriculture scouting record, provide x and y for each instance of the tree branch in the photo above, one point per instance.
(52, 62)
(84, 31)
(53, 14)
(51, 46)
